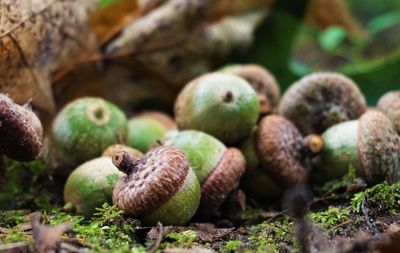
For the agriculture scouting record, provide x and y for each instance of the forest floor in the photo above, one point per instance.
(343, 216)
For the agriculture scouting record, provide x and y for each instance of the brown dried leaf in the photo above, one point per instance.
(37, 36)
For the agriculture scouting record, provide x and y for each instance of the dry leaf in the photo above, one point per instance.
(37, 36)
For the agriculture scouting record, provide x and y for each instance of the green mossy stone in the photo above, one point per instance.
(143, 132)
(91, 185)
(85, 128)
(181, 207)
(203, 151)
(222, 105)
(340, 151)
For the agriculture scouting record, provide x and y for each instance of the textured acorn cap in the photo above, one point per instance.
(222, 180)
(389, 104)
(378, 148)
(116, 148)
(321, 100)
(280, 149)
(20, 130)
(152, 181)
(262, 81)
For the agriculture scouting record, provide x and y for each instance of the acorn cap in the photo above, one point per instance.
(389, 104)
(222, 180)
(113, 149)
(321, 100)
(151, 182)
(280, 148)
(262, 81)
(378, 148)
(20, 130)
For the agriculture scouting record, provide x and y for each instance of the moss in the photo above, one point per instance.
(26, 186)
(10, 219)
(231, 246)
(383, 196)
(184, 239)
(339, 184)
(106, 230)
(330, 218)
(268, 236)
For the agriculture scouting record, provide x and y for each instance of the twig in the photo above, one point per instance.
(154, 247)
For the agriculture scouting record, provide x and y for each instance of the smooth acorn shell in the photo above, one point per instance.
(262, 81)
(145, 129)
(21, 131)
(389, 104)
(83, 129)
(91, 185)
(370, 144)
(321, 100)
(222, 105)
(280, 149)
(163, 188)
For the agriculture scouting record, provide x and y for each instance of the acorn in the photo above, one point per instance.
(91, 185)
(371, 145)
(146, 128)
(389, 104)
(82, 130)
(256, 182)
(160, 187)
(217, 167)
(284, 152)
(321, 100)
(21, 131)
(222, 105)
(113, 149)
(262, 81)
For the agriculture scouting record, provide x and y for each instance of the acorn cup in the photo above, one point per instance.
(256, 182)
(283, 152)
(20, 130)
(389, 104)
(222, 105)
(321, 100)
(82, 130)
(160, 187)
(146, 128)
(217, 167)
(371, 145)
(262, 81)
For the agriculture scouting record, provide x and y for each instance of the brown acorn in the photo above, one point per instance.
(262, 81)
(284, 152)
(20, 130)
(160, 187)
(389, 104)
(321, 100)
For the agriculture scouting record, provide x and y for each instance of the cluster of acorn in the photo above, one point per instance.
(313, 134)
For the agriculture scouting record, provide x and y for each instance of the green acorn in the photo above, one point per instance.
(218, 168)
(222, 105)
(389, 104)
(370, 144)
(145, 129)
(83, 129)
(91, 185)
(321, 100)
(262, 81)
(160, 187)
